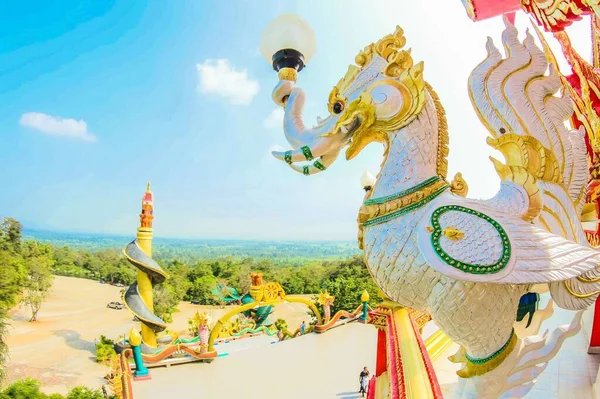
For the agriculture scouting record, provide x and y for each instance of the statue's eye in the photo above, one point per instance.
(338, 107)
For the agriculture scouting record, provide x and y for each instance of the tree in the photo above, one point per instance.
(11, 282)
(347, 282)
(13, 276)
(178, 279)
(10, 235)
(3, 345)
(23, 389)
(293, 284)
(281, 325)
(105, 349)
(85, 393)
(201, 289)
(165, 301)
(38, 281)
(29, 388)
(240, 279)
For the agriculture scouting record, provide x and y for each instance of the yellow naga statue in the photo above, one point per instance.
(466, 262)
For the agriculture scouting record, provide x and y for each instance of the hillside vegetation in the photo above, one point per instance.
(190, 251)
(29, 259)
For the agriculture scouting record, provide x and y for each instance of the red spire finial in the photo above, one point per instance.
(147, 208)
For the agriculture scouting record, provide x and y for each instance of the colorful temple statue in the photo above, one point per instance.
(582, 84)
(202, 321)
(138, 297)
(225, 294)
(465, 262)
(326, 301)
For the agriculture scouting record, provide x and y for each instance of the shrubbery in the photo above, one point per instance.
(30, 389)
(105, 349)
(85, 393)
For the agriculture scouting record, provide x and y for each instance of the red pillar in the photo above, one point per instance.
(595, 338)
(381, 353)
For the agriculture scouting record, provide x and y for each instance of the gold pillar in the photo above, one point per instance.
(144, 239)
(416, 379)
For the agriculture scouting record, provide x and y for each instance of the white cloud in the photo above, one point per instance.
(57, 126)
(274, 120)
(219, 77)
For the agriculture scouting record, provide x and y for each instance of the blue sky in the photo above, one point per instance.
(127, 76)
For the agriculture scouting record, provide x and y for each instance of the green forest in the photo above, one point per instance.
(190, 250)
(29, 264)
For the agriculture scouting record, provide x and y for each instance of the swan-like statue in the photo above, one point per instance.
(466, 262)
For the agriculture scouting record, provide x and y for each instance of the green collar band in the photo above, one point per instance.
(410, 208)
(493, 355)
(408, 191)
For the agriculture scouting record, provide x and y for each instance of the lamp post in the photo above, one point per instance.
(141, 371)
(288, 43)
(367, 180)
(364, 298)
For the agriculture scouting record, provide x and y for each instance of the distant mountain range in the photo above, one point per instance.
(190, 249)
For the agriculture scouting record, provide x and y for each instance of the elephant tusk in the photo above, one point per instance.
(305, 153)
(318, 166)
(308, 170)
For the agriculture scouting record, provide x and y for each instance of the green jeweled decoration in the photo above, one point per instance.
(307, 153)
(305, 170)
(288, 157)
(409, 208)
(411, 190)
(494, 355)
(436, 235)
(317, 164)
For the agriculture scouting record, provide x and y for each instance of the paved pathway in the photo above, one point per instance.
(326, 366)
(311, 366)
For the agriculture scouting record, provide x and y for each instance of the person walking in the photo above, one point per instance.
(302, 327)
(364, 381)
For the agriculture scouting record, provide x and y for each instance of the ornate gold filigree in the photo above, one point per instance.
(347, 80)
(589, 213)
(272, 291)
(529, 153)
(453, 233)
(519, 175)
(325, 298)
(472, 369)
(360, 236)
(201, 319)
(459, 185)
(590, 82)
(288, 74)
(555, 15)
(420, 318)
(335, 97)
(115, 377)
(390, 49)
(443, 139)
(385, 47)
(362, 108)
(368, 212)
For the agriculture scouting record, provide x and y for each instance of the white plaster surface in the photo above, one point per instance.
(569, 375)
(311, 366)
